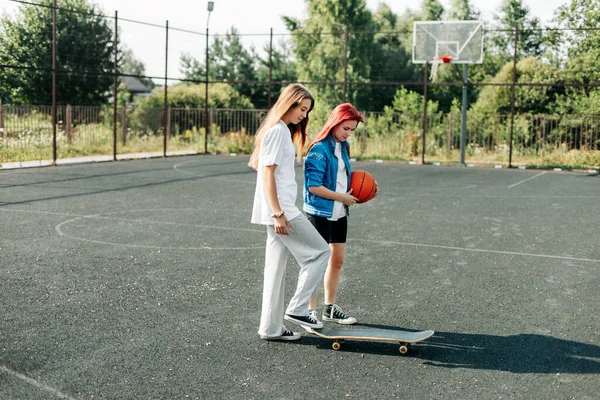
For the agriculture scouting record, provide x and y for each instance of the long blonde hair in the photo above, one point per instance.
(291, 97)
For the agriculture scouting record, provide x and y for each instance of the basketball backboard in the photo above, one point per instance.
(460, 40)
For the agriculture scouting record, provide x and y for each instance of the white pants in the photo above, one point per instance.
(311, 252)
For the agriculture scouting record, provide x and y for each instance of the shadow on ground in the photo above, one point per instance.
(523, 353)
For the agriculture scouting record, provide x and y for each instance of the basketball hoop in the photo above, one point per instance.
(445, 59)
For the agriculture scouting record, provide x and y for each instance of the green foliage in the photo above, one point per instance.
(410, 102)
(84, 50)
(578, 47)
(514, 14)
(228, 61)
(432, 10)
(123, 95)
(392, 60)
(396, 133)
(462, 10)
(187, 96)
(220, 95)
(283, 69)
(532, 100)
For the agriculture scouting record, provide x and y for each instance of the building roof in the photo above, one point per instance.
(134, 85)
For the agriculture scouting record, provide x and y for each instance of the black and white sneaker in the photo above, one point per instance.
(334, 313)
(306, 321)
(286, 335)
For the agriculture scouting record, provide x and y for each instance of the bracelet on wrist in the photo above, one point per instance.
(278, 214)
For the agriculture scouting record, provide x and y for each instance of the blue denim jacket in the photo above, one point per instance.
(320, 169)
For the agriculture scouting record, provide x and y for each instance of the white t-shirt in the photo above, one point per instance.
(339, 211)
(278, 149)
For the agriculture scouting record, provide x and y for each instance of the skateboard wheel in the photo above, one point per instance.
(403, 349)
(336, 346)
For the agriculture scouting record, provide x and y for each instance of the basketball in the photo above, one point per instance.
(363, 185)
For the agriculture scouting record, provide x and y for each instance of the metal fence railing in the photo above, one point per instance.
(567, 140)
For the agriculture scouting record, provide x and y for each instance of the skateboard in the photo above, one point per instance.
(404, 338)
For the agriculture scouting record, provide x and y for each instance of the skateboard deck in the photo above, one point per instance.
(404, 338)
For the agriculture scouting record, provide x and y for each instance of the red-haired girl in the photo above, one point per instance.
(327, 198)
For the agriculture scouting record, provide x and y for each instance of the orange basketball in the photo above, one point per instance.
(363, 185)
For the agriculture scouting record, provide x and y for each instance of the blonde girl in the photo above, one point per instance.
(288, 230)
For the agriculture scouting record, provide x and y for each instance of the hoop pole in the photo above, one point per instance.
(463, 131)
(425, 79)
(166, 91)
(54, 119)
(115, 84)
(512, 97)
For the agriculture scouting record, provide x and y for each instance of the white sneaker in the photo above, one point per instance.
(334, 313)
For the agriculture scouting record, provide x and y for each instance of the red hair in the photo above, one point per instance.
(343, 112)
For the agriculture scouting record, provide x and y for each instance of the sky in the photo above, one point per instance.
(251, 17)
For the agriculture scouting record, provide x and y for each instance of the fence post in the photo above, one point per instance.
(512, 97)
(211, 118)
(166, 95)
(54, 156)
(424, 133)
(345, 62)
(206, 127)
(123, 126)
(69, 123)
(115, 79)
(363, 133)
(543, 144)
(2, 118)
(449, 139)
(463, 129)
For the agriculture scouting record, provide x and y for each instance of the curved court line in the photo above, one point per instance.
(35, 383)
(512, 253)
(176, 168)
(58, 229)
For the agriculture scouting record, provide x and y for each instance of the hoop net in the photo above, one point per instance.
(445, 59)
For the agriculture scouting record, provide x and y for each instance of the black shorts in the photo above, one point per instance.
(331, 231)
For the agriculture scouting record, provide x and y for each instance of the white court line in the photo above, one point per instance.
(528, 179)
(61, 233)
(512, 253)
(57, 228)
(485, 196)
(35, 383)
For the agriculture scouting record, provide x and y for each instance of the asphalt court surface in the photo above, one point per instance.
(143, 279)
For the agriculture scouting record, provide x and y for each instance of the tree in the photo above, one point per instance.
(532, 100)
(220, 95)
(432, 10)
(514, 14)
(228, 61)
(184, 95)
(462, 10)
(392, 61)
(283, 68)
(132, 66)
(578, 42)
(84, 54)
(319, 47)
